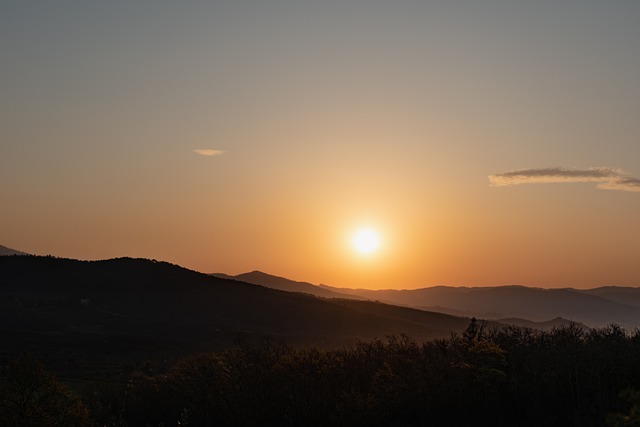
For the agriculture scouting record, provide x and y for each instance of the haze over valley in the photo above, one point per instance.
(593, 307)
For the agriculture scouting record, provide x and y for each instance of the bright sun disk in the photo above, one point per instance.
(366, 241)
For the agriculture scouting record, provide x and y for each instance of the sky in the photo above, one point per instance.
(486, 142)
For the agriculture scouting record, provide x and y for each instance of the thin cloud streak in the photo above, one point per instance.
(208, 152)
(607, 178)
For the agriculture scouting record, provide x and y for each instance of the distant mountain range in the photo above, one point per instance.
(533, 307)
(107, 314)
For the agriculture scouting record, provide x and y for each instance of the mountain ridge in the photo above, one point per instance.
(594, 307)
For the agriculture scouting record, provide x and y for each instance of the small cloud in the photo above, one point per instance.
(208, 152)
(623, 183)
(607, 178)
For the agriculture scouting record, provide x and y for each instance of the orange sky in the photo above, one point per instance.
(248, 135)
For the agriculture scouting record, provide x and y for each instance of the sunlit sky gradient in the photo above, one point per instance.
(228, 136)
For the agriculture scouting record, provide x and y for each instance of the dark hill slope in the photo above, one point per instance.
(120, 311)
(8, 251)
(284, 284)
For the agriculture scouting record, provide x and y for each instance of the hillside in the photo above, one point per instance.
(106, 314)
(283, 284)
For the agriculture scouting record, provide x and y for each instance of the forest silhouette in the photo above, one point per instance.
(513, 376)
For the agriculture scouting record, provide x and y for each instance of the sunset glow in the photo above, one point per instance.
(481, 144)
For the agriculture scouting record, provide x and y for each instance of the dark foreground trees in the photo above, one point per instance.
(31, 396)
(514, 376)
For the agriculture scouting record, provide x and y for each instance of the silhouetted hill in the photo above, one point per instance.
(283, 284)
(8, 251)
(104, 314)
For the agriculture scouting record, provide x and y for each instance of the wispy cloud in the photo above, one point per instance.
(607, 178)
(208, 152)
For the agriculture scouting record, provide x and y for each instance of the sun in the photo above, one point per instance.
(366, 241)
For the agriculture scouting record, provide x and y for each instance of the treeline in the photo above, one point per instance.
(513, 376)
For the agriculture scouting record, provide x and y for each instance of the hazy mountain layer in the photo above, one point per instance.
(593, 307)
